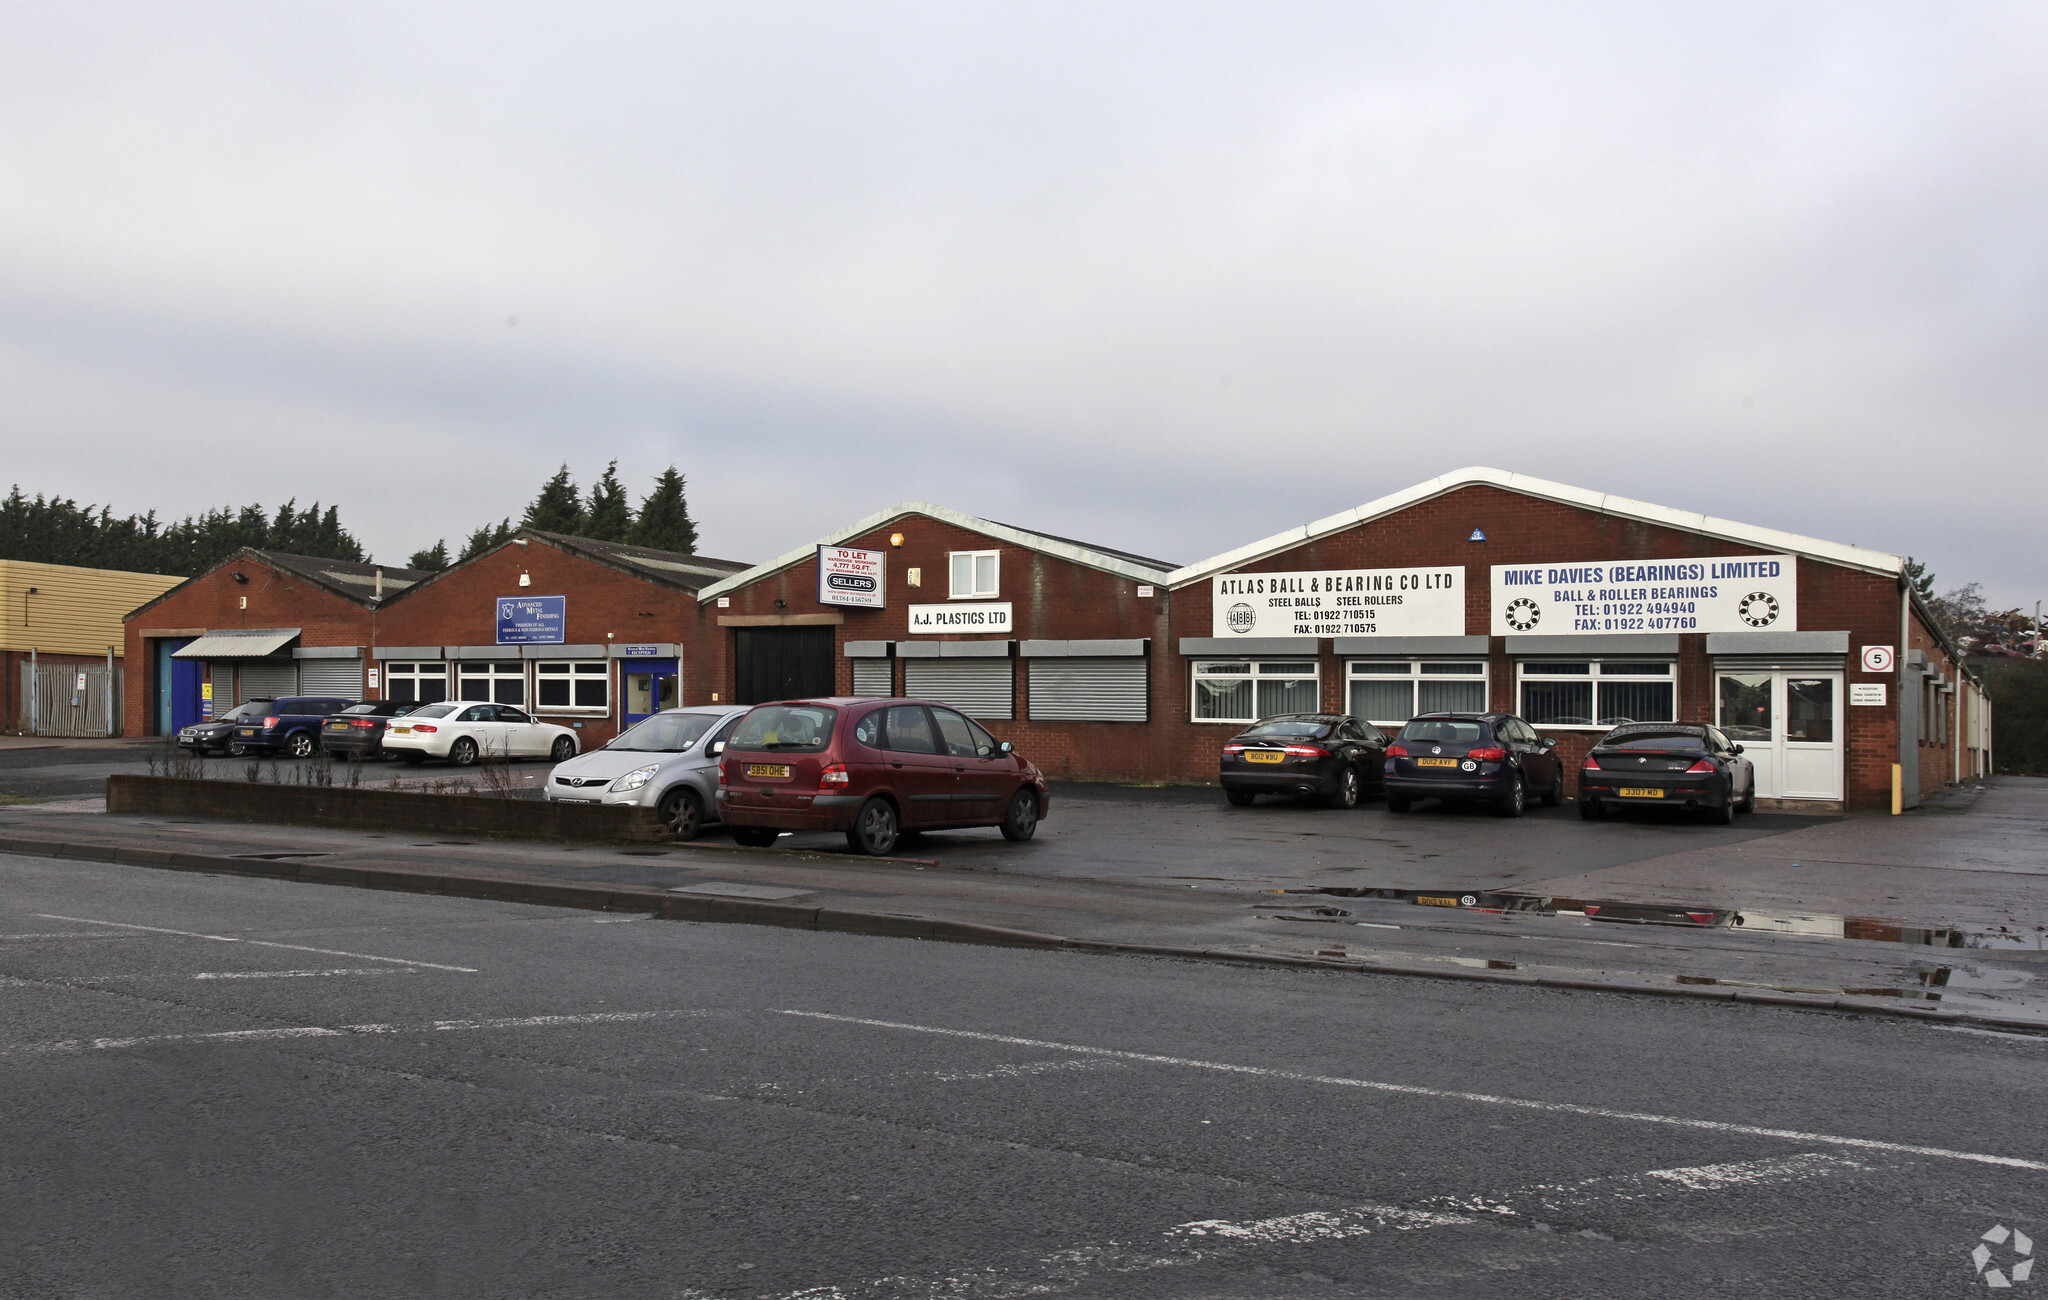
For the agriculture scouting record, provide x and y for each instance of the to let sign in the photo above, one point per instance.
(532, 620)
(850, 577)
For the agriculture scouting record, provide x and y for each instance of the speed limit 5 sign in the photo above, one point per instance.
(1877, 659)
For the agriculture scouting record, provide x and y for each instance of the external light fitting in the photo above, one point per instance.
(239, 576)
(780, 603)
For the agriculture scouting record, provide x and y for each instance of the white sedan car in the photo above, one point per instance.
(464, 731)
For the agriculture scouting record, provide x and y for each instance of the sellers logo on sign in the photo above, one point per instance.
(1721, 593)
(850, 577)
(1339, 602)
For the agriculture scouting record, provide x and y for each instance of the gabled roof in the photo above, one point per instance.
(349, 579)
(1769, 539)
(1122, 563)
(672, 569)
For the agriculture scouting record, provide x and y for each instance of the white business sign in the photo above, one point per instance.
(961, 616)
(1339, 602)
(1723, 593)
(850, 577)
(1866, 693)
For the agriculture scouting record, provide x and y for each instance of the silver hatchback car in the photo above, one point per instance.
(668, 762)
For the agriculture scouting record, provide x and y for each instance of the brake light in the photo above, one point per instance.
(834, 774)
(362, 724)
(268, 723)
(721, 774)
(1591, 764)
(1397, 751)
(1702, 766)
(1305, 751)
(1488, 754)
(421, 726)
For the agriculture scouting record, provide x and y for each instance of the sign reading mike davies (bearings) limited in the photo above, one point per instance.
(850, 577)
(532, 620)
(1339, 602)
(1718, 593)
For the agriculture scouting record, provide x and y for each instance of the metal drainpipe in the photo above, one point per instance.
(35, 695)
(110, 691)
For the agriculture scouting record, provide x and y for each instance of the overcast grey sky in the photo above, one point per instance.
(1168, 277)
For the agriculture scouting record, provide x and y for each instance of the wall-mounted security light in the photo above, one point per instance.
(239, 576)
(526, 580)
(895, 539)
(780, 603)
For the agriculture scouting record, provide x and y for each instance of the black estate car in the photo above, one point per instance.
(1332, 755)
(1496, 758)
(289, 725)
(358, 730)
(216, 734)
(1669, 765)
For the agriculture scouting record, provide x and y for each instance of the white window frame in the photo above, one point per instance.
(577, 672)
(389, 675)
(1414, 676)
(1254, 675)
(975, 590)
(461, 670)
(1596, 674)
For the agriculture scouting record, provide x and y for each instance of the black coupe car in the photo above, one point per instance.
(1331, 755)
(1667, 765)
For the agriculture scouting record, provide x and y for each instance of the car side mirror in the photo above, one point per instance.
(1004, 747)
(1738, 749)
(717, 748)
(1549, 742)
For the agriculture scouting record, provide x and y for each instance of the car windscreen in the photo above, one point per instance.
(253, 709)
(1662, 741)
(437, 710)
(1445, 730)
(1283, 729)
(786, 728)
(667, 733)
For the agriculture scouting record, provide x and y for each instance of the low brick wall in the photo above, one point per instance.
(436, 814)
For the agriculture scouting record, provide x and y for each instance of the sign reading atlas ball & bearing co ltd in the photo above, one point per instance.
(850, 577)
(1718, 593)
(1339, 602)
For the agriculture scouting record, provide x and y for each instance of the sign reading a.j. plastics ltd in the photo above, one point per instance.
(1339, 602)
(977, 616)
(1719, 593)
(850, 577)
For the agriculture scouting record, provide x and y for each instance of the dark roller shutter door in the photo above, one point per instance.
(782, 663)
(1088, 690)
(979, 688)
(871, 677)
(343, 677)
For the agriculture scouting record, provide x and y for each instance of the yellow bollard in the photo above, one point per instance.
(1898, 789)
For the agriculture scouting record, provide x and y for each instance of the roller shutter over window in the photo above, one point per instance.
(254, 681)
(1088, 690)
(979, 688)
(343, 677)
(872, 678)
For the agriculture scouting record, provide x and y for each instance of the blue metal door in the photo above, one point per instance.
(648, 686)
(177, 688)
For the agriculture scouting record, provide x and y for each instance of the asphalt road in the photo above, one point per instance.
(232, 1087)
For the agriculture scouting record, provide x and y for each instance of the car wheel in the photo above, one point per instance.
(300, 745)
(1592, 811)
(682, 812)
(1240, 798)
(1555, 794)
(563, 749)
(1346, 793)
(875, 830)
(755, 837)
(236, 749)
(1749, 800)
(412, 757)
(1020, 819)
(1399, 802)
(1515, 801)
(1725, 814)
(463, 752)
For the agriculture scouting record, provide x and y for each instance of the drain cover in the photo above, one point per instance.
(723, 890)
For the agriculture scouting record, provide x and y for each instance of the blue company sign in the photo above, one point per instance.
(641, 652)
(532, 620)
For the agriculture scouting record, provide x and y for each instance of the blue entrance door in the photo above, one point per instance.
(177, 688)
(649, 686)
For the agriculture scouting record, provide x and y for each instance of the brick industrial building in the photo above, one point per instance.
(1480, 589)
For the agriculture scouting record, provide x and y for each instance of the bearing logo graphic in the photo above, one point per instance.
(1522, 614)
(2011, 1242)
(1758, 609)
(1241, 617)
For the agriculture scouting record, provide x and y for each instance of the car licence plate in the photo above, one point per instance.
(1436, 762)
(1429, 901)
(1640, 792)
(248, 731)
(1263, 756)
(401, 731)
(772, 770)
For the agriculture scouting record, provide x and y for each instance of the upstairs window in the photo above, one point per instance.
(975, 575)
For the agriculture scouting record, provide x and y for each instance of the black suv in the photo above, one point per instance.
(290, 725)
(1492, 757)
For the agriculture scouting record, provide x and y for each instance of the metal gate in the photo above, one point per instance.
(69, 700)
(783, 663)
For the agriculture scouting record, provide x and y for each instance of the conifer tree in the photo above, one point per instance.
(433, 559)
(557, 509)
(664, 522)
(483, 539)
(610, 515)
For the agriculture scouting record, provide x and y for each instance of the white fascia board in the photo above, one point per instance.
(1001, 532)
(1770, 539)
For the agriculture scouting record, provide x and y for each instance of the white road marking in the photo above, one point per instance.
(260, 943)
(291, 974)
(340, 1031)
(1752, 1173)
(67, 934)
(1320, 1225)
(1015, 1071)
(1446, 1094)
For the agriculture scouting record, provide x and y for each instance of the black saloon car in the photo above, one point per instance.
(289, 725)
(215, 735)
(358, 730)
(1332, 755)
(1495, 758)
(1667, 765)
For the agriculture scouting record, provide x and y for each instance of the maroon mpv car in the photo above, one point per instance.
(874, 769)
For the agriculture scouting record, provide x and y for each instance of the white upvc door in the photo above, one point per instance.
(1789, 724)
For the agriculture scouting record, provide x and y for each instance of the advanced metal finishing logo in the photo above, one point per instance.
(2010, 1241)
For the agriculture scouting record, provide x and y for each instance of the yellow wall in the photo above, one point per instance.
(73, 611)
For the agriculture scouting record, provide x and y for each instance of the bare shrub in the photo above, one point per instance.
(494, 773)
(353, 773)
(252, 771)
